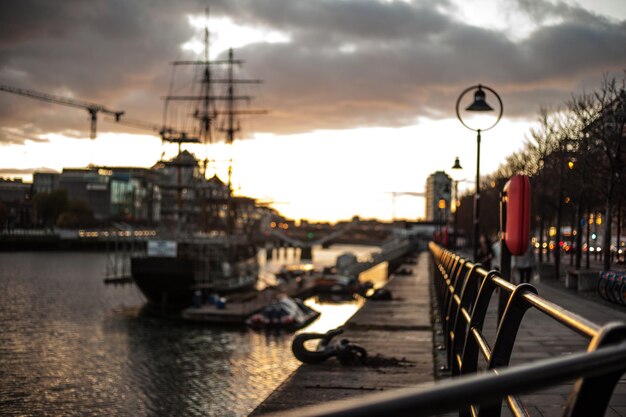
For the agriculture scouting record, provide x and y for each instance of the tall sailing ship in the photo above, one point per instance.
(205, 244)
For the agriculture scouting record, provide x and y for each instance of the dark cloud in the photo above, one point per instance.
(349, 63)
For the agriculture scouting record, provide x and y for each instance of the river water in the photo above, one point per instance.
(70, 345)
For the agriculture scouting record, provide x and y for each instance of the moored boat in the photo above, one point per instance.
(285, 313)
(205, 243)
(205, 265)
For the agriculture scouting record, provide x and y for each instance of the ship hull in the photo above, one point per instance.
(171, 282)
(164, 281)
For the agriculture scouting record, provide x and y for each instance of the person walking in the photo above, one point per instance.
(525, 264)
(495, 246)
(485, 252)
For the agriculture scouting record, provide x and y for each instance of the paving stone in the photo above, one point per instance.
(399, 329)
(620, 410)
(402, 328)
(540, 337)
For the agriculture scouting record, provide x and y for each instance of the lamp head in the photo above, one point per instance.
(479, 103)
(457, 164)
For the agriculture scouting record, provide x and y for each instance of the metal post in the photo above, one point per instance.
(606, 239)
(571, 234)
(588, 229)
(505, 271)
(477, 198)
(456, 213)
(505, 257)
(579, 234)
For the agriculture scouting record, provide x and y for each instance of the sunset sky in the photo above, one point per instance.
(360, 93)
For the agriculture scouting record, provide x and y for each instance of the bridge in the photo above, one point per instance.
(306, 248)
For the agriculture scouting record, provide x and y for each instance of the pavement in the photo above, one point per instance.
(401, 329)
(397, 335)
(541, 337)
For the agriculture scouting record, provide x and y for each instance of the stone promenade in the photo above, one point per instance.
(540, 337)
(398, 337)
(401, 330)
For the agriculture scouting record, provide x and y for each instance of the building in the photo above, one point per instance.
(16, 210)
(173, 194)
(14, 191)
(192, 202)
(438, 197)
(189, 200)
(112, 193)
(45, 182)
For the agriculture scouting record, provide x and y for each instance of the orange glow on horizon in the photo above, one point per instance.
(318, 176)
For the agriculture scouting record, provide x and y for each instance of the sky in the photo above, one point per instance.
(360, 93)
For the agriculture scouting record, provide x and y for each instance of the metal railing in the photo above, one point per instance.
(464, 290)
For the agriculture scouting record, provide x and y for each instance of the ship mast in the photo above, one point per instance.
(230, 129)
(206, 117)
(206, 112)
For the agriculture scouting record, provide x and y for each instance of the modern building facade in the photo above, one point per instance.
(16, 209)
(112, 193)
(438, 197)
(45, 182)
(174, 195)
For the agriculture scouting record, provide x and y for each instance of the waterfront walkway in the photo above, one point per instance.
(402, 328)
(399, 330)
(540, 337)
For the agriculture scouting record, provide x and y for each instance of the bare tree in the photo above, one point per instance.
(603, 116)
(539, 150)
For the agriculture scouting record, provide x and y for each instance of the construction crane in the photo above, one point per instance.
(92, 108)
(167, 134)
(395, 194)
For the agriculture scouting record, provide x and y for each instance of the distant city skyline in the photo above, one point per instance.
(360, 93)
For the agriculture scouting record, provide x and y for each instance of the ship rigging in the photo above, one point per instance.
(211, 249)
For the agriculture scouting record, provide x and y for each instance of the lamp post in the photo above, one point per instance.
(454, 207)
(481, 106)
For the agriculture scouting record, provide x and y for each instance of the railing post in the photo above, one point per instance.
(479, 312)
(461, 276)
(469, 359)
(453, 276)
(505, 272)
(505, 338)
(591, 396)
(457, 283)
(460, 326)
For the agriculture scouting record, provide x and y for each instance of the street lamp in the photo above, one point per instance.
(481, 106)
(454, 207)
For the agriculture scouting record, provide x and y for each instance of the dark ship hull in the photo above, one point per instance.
(171, 282)
(164, 281)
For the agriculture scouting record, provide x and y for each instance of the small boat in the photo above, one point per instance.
(285, 313)
(340, 284)
(290, 272)
(330, 280)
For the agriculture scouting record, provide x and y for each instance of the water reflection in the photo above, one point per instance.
(70, 345)
(333, 313)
